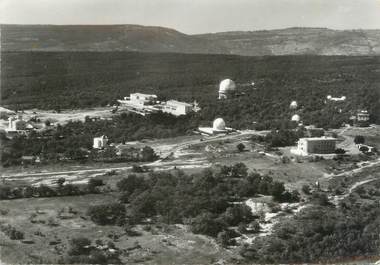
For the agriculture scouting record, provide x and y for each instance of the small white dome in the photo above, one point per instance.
(296, 118)
(219, 125)
(226, 85)
(293, 105)
(343, 98)
(329, 97)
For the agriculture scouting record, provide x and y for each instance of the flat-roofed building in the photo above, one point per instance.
(140, 103)
(100, 142)
(143, 99)
(362, 119)
(177, 108)
(315, 145)
(16, 124)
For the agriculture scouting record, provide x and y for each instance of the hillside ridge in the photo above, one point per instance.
(129, 37)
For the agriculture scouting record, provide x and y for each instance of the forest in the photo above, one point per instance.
(73, 80)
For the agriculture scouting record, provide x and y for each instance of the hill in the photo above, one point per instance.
(315, 41)
(55, 80)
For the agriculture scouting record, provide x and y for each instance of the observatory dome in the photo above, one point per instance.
(293, 105)
(329, 97)
(226, 85)
(219, 125)
(296, 118)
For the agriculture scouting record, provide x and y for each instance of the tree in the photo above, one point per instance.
(239, 170)
(131, 183)
(206, 224)
(93, 184)
(79, 246)
(359, 139)
(223, 239)
(277, 190)
(340, 151)
(238, 214)
(60, 181)
(107, 214)
(148, 154)
(240, 147)
(364, 149)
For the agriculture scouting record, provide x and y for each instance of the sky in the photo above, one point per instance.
(197, 16)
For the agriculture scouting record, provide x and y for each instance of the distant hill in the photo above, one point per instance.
(314, 41)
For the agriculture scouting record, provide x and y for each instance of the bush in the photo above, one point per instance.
(237, 214)
(306, 189)
(93, 184)
(359, 139)
(131, 183)
(12, 232)
(79, 246)
(207, 224)
(107, 214)
(240, 147)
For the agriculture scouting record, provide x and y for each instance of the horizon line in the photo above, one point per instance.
(165, 27)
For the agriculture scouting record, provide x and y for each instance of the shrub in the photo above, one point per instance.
(12, 232)
(93, 184)
(207, 224)
(240, 147)
(79, 246)
(359, 139)
(107, 214)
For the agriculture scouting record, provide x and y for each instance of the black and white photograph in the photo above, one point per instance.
(194, 132)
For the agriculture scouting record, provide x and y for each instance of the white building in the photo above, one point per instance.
(315, 145)
(218, 127)
(293, 105)
(225, 87)
(140, 103)
(177, 108)
(16, 124)
(100, 142)
(342, 98)
(296, 118)
(139, 99)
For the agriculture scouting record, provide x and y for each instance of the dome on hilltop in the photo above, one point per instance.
(293, 105)
(226, 85)
(296, 118)
(219, 125)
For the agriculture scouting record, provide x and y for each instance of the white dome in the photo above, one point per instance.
(226, 85)
(296, 118)
(293, 105)
(219, 125)
(329, 97)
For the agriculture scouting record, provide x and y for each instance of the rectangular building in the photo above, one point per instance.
(177, 108)
(315, 145)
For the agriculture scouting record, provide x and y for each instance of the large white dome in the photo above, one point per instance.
(296, 118)
(219, 125)
(226, 85)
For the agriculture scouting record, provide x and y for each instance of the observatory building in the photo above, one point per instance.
(316, 145)
(342, 98)
(142, 104)
(293, 105)
(296, 118)
(100, 142)
(218, 127)
(177, 108)
(227, 86)
(361, 119)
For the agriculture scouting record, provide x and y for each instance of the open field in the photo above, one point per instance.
(163, 245)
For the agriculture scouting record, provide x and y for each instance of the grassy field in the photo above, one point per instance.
(162, 245)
